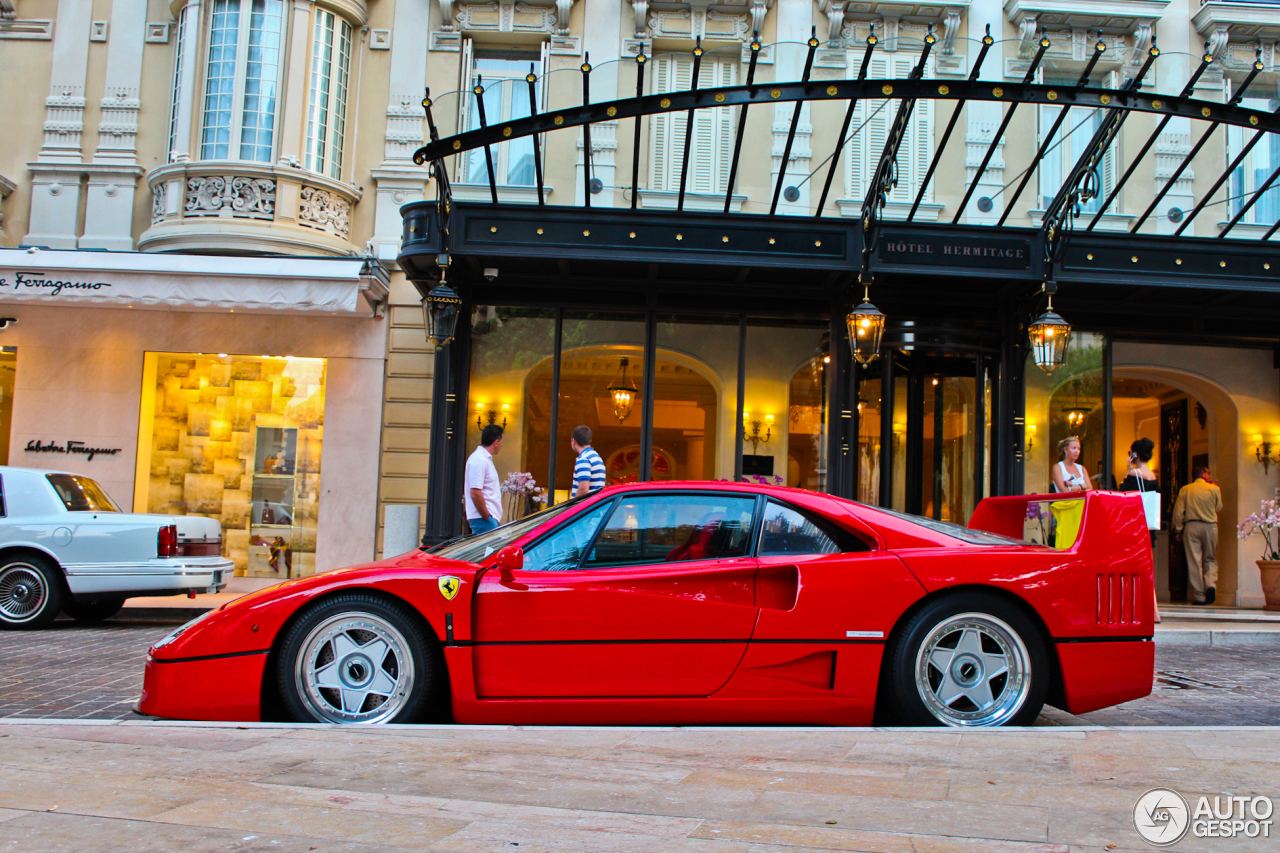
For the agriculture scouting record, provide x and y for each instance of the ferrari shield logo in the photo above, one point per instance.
(449, 587)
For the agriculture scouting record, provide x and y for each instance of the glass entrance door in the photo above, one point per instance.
(934, 419)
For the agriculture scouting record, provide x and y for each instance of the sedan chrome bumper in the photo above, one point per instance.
(152, 577)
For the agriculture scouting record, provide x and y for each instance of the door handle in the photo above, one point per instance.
(777, 587)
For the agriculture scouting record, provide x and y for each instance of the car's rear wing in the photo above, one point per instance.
(1109, 521)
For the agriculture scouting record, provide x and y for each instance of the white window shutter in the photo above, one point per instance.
(713, 129)
(465, 111)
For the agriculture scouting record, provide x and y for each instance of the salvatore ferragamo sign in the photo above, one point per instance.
(73, 447)
(907, 249)
(34, 282)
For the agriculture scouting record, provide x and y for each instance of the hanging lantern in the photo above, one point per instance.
(440, 310)
(623, 392)
(1049, 336)
(866, 328)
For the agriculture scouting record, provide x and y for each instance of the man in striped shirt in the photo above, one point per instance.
(588, 471)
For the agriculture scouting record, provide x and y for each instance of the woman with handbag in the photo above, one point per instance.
(1139, 478)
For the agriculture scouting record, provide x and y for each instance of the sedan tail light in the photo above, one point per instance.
(167, 541)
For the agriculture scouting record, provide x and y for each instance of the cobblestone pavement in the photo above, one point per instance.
(75, 671)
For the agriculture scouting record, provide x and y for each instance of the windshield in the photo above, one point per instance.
(476, 548)
(80, 494)
(955, 531)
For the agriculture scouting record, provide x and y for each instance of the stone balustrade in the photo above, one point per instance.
(207, 204)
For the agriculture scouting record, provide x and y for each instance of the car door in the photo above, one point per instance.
(650, 594)
(826, 636)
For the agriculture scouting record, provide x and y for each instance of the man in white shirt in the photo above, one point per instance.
(483, 496)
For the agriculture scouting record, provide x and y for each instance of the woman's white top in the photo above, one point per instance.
(1073, 482)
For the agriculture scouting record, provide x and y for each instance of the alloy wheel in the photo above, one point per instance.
(973, 670)
(355, 668)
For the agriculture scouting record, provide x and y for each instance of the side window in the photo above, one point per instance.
(562, 550)
(674, 528)
(789, 531)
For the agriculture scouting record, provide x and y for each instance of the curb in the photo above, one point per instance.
(1226, 637)
(177, 615)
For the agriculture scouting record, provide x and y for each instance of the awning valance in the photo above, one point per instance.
(270, 285)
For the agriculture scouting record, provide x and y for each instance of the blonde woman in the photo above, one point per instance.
(1069, 475)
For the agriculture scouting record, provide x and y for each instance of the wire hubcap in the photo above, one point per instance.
(22, 592)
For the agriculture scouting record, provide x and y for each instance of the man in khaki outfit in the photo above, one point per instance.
(1195, 521)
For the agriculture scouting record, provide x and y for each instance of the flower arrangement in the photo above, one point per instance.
(521, 490)
(762, 479)
(522, 484)
(1037, 512)
(1265, 522)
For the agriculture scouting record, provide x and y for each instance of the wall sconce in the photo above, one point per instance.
(1031, 438)
(1262, 449)
(899, 431)
(492, 414)
(753, 434)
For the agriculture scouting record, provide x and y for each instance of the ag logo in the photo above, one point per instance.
(1161, 817)
(449, 586)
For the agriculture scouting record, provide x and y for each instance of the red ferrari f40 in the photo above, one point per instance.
(694, 603)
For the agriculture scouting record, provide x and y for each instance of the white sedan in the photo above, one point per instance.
(65, 545)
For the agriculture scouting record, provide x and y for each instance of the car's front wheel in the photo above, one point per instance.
(357, 658)
(93, 611)
(970, 661)
(30, 593)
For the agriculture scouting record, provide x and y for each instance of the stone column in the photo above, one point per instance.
(601, 39)
(399, 181)
(108, 220)
(55, 185)
(294, 90)
(984, 118)
(795, 24)
(185, 121)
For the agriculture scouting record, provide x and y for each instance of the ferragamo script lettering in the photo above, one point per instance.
(54, 287)
(37, 446)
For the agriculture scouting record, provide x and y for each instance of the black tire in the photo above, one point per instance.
(30, 593)
(333, 656)
(93, 611)
(925, 655)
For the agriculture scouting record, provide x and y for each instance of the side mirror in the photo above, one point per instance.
(510, 559)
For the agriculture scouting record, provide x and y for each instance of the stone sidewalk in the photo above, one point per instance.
(150, 787)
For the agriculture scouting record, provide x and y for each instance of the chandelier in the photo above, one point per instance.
(623, 393)
(1076, 413)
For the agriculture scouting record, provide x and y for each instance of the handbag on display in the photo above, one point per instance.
(1150, 503)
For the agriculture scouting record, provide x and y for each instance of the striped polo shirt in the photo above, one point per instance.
(589, 467)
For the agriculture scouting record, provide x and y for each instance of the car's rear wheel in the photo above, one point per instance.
(357, 658)
(969, 661)
(30, 593)
(93, 611)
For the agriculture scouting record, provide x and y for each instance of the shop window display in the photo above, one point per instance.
(237, 438)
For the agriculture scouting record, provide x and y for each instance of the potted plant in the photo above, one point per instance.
(1266, 523)
(521, 490)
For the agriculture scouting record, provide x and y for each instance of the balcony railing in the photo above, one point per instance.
(258, 207)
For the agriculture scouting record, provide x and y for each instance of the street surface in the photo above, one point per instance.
(74, 671)
(147, 787)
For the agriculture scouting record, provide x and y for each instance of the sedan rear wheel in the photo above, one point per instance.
(969, 661)
(93, 611)
(357, 658)
(30, 594)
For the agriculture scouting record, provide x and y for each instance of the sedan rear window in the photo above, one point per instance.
(80, 494)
